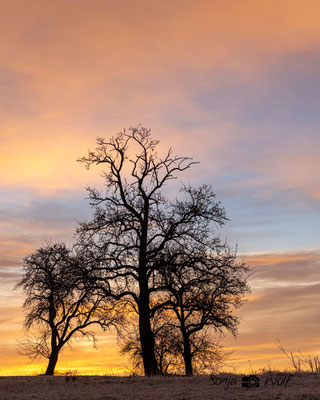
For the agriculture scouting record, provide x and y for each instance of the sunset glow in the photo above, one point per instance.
(233, 84)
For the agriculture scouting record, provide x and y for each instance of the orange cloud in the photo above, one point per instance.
(70, 65)
(282, 306)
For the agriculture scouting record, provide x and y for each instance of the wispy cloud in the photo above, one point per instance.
(283, 306)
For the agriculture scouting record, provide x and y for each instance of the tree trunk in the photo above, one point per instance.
(52, 362)
(146, 338)
(54, 348)
(146, 334)
(187, 355)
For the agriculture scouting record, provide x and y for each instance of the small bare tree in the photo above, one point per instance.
(60, 302)
(203, 287)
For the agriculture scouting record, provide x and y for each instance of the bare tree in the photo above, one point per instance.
(60, 303)
(134, 222)
(203, 288)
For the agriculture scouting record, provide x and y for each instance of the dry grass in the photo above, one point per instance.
(299, 362)
(304, 386)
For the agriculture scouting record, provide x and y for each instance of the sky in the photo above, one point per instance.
(233, 84)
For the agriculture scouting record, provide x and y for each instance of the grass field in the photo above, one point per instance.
(304, 386)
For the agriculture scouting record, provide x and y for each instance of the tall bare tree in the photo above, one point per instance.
(134, 222)
(60, 303)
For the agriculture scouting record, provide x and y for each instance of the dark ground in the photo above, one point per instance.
(303, 386)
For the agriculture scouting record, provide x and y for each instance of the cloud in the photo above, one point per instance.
(283, 306)
(70, 76)
(29, 218)
(293, 268)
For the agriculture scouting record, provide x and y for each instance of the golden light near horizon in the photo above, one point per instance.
(235, 85)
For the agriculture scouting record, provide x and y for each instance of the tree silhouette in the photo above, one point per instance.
(134, 222)
(60, 303)
(203, 287)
